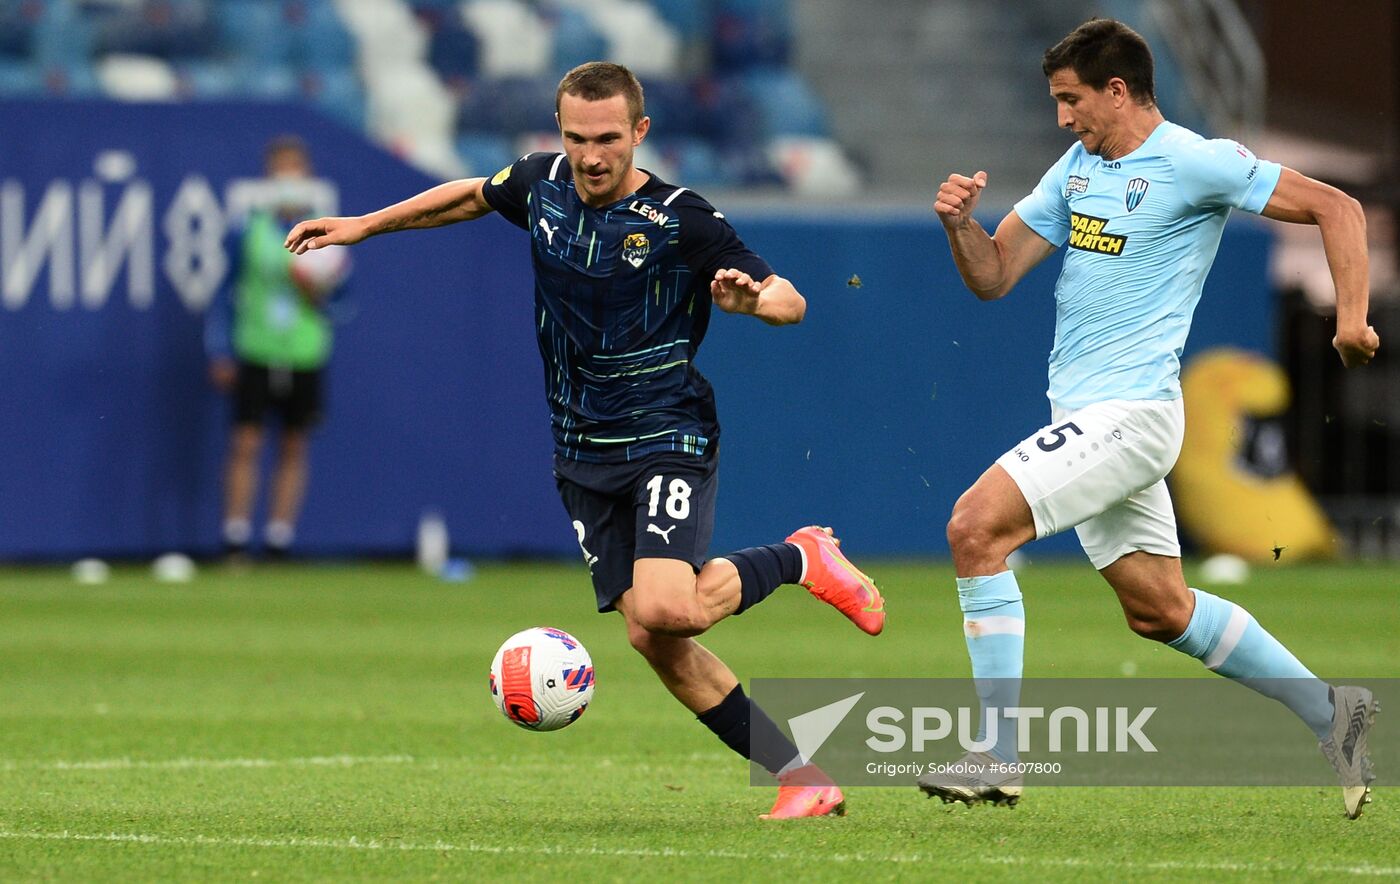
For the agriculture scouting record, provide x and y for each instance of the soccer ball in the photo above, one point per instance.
(542, 679)
(321, 271)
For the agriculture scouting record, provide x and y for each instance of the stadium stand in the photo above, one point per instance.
(455, 86)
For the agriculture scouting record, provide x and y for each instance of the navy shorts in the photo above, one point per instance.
(294, 396)
(659, 507)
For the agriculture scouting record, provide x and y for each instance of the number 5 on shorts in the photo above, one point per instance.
(677, 503)
(1060, 437)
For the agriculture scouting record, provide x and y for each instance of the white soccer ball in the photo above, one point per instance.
(1224, 569)
(322, 270)
(173, 568)
(542, 679)
(91, 572)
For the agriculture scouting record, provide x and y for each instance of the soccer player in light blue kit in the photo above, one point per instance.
(1141, 203)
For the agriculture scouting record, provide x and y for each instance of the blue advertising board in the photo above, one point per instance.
(872, 415)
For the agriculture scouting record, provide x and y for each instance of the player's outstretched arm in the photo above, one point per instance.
(774, 300)
(445, 204)
(990, 265)
(1303, 200)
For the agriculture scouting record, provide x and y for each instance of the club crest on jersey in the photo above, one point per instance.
(635, 249)
(1137, 189)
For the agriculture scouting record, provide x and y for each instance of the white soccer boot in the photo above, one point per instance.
(976, 778)
(1354, 712)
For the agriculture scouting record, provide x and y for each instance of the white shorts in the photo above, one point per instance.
(1101, 470)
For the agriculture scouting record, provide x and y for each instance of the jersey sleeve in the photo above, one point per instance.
(1219, 173)
(709, 244)
(508, 191)
(1045, 209)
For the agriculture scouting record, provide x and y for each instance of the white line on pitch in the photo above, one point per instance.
(187, 763)
(934, 861)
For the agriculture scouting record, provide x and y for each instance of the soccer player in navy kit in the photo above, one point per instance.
(626, 267)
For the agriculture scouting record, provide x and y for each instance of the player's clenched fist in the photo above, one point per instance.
(320, 232)
(957, 198)
(1357, 347)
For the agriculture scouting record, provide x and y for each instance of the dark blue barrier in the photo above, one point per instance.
(872, 415)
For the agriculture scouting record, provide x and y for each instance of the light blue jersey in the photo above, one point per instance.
(1143, 231)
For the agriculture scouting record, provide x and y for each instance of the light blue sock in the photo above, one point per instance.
(1224, 637)
(994, 624)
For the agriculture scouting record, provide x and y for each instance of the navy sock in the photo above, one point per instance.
(763, 569)
(748, 730)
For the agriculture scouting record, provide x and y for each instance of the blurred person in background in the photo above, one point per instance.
(269, 339)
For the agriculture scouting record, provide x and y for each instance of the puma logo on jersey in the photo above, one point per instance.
(665, 535)
(548, 231)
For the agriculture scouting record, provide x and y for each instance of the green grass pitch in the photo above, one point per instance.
(297, 723)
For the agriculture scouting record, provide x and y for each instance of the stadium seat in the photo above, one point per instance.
(138, 78)
(509, 107)
(62, 36)
(454, 51)
(337, 91)
(435, 156)
(671, 104)
(75, 80)
(751, 167)
(751, 33)
(389, 35)
(695, 162)
(576, 41)
(408, 102)
(637, 36)
(515, 41)
(691, 20)
(19, 78)
(203, 78)
(269, 81)
(786, 103)
(17, 22)
(814, 166)
(319, 38)
(472, 79)
(724, 113)
(164, 28)
(484, 154)
(253, 30)
(434, 6)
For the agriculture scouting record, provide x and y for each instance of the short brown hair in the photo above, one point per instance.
(598, 80)
(1101, 49)
(286, 144)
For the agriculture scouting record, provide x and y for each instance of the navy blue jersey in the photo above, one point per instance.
(622, 302)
